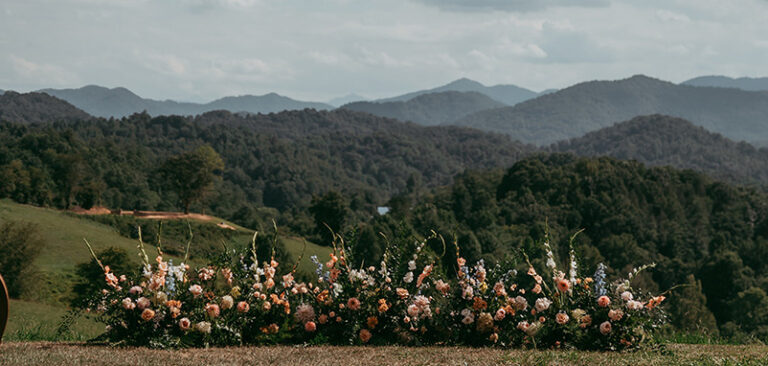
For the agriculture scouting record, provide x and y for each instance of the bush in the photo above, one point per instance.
(20, 244)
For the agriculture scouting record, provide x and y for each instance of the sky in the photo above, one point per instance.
(200, 50)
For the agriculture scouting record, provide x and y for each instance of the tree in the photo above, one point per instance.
(329, 209)
(91, 277)
(20, 244)
(192, 175)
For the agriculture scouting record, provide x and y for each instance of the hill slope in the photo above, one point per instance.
(662, 140)
(507, 94)
(37, 108)
(429, 109)
(121, 102)
(751, 84)
(586, 107)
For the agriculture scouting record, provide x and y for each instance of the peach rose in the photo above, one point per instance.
(605, 327)
(143, 303)
(310, 326)
(212, 310)
(243, 307)
(603, 301)
(147, 314)
(365, 335)
(561, 318)
(196, 290)
(615, 315)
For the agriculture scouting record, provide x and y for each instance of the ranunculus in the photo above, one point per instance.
(128, 304)
(196, 290)
(626, 296)
(605, 327)
(147, 314)
(227, 302)
(365, 335)
(212, 310)
(203, 327)
(353, 303)
(615, 315)
(143, 303)
(243, 307)
(561, 318)
(310, 326)
(603, 301)
(500, 314)
(184, 323)
(543, 304)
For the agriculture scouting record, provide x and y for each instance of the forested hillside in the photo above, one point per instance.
(662, 140)
(37, 108)
(683, 221)
(507, 94)
(429, 109)
(279, 161)
(586, 107)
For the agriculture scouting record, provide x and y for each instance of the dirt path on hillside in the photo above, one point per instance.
(152, 215)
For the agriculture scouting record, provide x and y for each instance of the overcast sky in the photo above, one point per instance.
(199, 50)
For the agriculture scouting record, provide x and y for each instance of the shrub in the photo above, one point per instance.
(20, 244)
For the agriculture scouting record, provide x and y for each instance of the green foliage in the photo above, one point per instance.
(20, 243)
(191, 175)
(90, 275)
(330, 212)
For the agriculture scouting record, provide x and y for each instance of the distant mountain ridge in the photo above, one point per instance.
(659, 140)
(743, 83)
(507, 94)
(429, 109)
(120, 102)
(349, 98)
(589, 106)
(37, 108)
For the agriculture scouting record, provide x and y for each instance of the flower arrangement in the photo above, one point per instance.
(407, 299)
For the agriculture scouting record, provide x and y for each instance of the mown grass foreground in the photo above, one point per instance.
(78, 354)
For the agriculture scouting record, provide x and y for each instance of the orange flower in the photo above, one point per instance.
(655, 301)
(310, 326)
(383, 307)
(563, 285)
(402, 293)
(603, 301)
(479, 304)
(273, 328)
(147, 314)
(365, 335)
(372, 322)
(243, 307)
(353, 303)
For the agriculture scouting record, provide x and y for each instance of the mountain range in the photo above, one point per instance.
(750, 84)
(430, 109)
(507, 94)
(37, 108)
(120, 102)
(349, 98)
(589, 106)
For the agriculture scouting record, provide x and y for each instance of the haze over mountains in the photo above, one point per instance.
(120, 102)
(589, 106)
(507, 94)
(430, 109)
(37, 108)
(750, 84)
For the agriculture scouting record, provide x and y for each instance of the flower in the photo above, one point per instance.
(542, 304)
(499, 290)
(305, 313)
(494, 337)
(372, 322)
(536, 289)
(655, 301)
(615, 315)
(586, 321)
(408, 278)
(523, 326)
(578, 314)
(634, 305)
(203, 327)
(365, 335)
(401, 293)
(626, 296)
(603, 301)
(479, 304)
(353, 303)
(561, 318)
(484, 322)
(243, 307)
(310, 326)
(136, 290)
(143, 303)
(227, 302)
(322, 319)
(563, 285)
(383, 307)
(147, 314)
(413, 310)
(500, 315)
(212, 310)
(411, 265)
(605, 327)
(520, 303)
(184, 324)
(196, 290)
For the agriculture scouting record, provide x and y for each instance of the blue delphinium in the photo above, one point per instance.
(599, 278)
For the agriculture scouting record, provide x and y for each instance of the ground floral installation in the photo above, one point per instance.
(406, 300)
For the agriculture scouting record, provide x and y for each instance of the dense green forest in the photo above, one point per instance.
(274, 164)
(709, 236)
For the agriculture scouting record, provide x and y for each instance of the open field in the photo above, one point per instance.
(59, 353)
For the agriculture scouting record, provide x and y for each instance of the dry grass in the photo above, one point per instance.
(78, 354)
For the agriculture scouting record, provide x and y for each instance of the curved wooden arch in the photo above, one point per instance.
(4, 306)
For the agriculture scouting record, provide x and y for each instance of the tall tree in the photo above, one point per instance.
(329, 209)
(192, 175)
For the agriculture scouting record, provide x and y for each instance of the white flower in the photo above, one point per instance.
(551, 263)
(543, 304)
(196, 290)
(147, 271)
(626, 296)
(128, 304)
(634, 305)
(143, 303)
(204, 327)
(337, 289)
(411, 265)
(408, 278)
(227, 302)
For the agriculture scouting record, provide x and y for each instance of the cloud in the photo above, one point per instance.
(669, 16)
(510, 5)
(41, 72)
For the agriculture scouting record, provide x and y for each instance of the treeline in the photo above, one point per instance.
(273, 164)
(708, 236)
